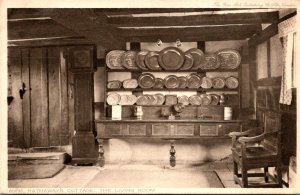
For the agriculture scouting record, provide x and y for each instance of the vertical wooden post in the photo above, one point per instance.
(84, 150)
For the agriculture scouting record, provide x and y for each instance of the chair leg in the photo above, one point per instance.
(235, 170)
(244, 177)
(266, 170)
(279, 175)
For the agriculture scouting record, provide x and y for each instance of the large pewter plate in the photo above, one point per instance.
(171, 58)
(113, 59)
(229, 58)
(140, 59)
(151, 61)
(198, 57)
(146, 80)
(128, 60)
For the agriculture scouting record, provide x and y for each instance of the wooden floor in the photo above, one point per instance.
(81, 176)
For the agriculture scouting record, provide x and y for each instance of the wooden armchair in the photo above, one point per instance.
(260, 151)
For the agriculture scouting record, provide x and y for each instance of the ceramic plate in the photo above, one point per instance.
(171, 82)
(146, 80)
(160, 98)
(194, 81)
(198, 57)
(188, 62)
(183, 82)
(229, 58)
(152, 99)
(113, 59)
(142, 100)
(214, 99)
(218, 83)
(130, 83)
(171, 58)
(232, 82)
(124, 100)
(205, 99)
(113, 99)
(115, 84)
(195, 100)
(159, 83)
(131, 99)
(140, 60)
(151, 61)
(206, 83)
(183, 100)
(210, 62)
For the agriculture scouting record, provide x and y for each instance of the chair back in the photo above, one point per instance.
(272, 124)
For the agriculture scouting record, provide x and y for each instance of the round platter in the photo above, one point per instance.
(151, 60)
(171, 81)
(198, 57)
(229, 58)
(142, 100)
(218, 83)
(140, 60)
(113, 99)
(113, 59)
(115, 84)
(130, 83)
(146, 80)
(232, 83)
(171, 58)
(206, 83)
(183, 82)
(160, 98)
(184, 100)
(131, 99)
(195, 100)
(128, 60)
(188, 62)
(205, 99)
(210, 62)
(194, 81)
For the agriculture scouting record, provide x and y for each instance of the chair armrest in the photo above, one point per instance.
(243, 133)
(251, 139)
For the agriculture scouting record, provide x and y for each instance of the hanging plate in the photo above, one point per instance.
(130, 83)
(195, 100)
(205, 99)
(128, 60)
(188, 62)
(218, 83)
(171, 58)
(183, 99)
(115, 84)
(210, 62)
(194, 81)
(232, 82)
(146, 80)
(113, 99)
(198, 57)
(140, 60)
(151, 61)
(171, 81)
(229, 58)
(113, 59)
(206, 83)
(214, 99)
(183, 82)
(160, 98)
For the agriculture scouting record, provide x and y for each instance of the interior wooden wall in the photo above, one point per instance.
(43, 117)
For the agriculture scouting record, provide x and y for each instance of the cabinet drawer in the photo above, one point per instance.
(137, 129)
(224, 129)
(160, 129)
(113, 129)
(185, 129)
(208, 130)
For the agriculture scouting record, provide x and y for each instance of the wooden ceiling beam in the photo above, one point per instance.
(31, 29)
(202, 33)
(85, 23)
(192, 20)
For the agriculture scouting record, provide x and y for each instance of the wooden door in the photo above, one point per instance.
(39, 118)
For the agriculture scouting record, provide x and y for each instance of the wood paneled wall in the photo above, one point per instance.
(41, 117)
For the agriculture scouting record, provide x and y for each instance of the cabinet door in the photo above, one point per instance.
(208, 130)
(136, 129)
(185, 129)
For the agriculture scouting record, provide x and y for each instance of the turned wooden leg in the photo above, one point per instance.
(266, 170)
(172, 155)
(244, 178)
(235, 171)
(101, 160)
(279, 175)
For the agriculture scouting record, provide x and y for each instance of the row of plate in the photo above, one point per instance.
(147, 80)
(172, 58)
(159, 99)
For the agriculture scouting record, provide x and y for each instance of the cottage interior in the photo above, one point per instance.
(58, 92)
